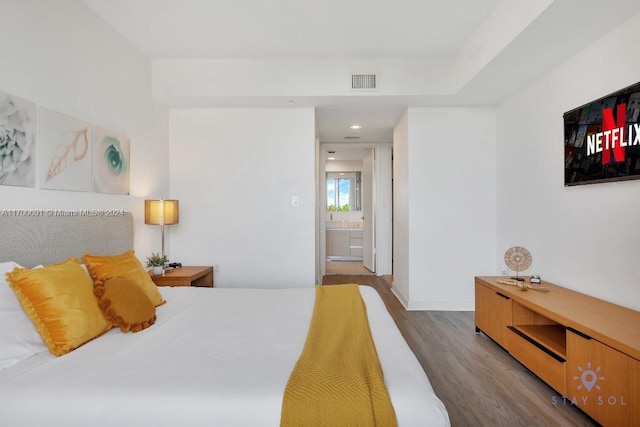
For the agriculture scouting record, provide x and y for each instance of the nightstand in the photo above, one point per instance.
(186, 276)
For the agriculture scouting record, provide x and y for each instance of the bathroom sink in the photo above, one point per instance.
(333, 224)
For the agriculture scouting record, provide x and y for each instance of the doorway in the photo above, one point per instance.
(354, 239)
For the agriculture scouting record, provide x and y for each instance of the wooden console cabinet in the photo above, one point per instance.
(585, 348)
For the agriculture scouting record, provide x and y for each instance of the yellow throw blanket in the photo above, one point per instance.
(338, 380)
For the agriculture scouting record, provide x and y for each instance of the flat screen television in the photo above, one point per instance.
(602, 139)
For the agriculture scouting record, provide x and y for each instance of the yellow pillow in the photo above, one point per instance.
(126, 265)
(125, 304)
(59, 300)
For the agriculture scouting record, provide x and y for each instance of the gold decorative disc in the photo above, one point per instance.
(517, 258)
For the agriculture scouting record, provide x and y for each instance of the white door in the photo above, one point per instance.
(368, 220)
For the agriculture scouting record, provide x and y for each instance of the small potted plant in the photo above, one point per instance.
(157, 262)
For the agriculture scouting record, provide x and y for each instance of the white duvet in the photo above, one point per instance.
(215, 357)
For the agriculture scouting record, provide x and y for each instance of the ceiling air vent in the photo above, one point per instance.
(363, 81)
(351, 137)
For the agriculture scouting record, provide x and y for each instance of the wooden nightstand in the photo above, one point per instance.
(186, 276)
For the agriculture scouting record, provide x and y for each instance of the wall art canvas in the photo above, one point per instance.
(64, 152)
(17, 141)
(111, 162)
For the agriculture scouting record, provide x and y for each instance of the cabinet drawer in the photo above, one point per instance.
(547, 367)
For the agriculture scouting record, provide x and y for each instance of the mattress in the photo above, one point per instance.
(214, 357)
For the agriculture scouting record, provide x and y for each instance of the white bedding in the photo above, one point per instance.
(215, 357)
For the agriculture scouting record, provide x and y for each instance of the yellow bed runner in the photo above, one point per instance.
(338, 380)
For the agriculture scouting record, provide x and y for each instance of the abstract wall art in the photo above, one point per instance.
(111, 162)
(64, 152)
(17, 141)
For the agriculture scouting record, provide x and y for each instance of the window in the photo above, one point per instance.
(343, 191)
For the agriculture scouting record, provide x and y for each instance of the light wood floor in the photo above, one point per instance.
(478, 382)
(346, 267)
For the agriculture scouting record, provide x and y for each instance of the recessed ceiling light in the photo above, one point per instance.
(355, 127)
(331, 158)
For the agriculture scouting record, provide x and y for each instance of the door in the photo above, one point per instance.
(602, 381)
(493, 314)
(368, 220)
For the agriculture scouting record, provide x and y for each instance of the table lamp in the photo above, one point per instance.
(161, 212)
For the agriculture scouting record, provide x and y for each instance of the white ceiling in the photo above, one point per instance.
(491, 47)
(294, 28)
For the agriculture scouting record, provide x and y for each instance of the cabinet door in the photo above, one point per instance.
(493, 314)
(338, 243)
(602, 381)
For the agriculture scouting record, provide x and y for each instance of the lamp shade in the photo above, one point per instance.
(161, 212)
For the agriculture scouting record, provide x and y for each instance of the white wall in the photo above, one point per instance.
(445, 205)
(588, 237)
(343, 165)
(60, 55)
(401, 207)
(185, 81)
(235, 172)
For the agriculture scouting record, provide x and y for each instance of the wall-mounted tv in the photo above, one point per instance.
(602, 139)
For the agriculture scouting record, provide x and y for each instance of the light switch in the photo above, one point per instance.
(295, 201)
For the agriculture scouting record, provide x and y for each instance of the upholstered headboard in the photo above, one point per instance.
(34, 240)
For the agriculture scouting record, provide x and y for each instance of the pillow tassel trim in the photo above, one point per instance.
(111, 314)
(42, 328)
(95, 267)
(33, 315)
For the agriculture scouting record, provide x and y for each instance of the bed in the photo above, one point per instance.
(213, 357)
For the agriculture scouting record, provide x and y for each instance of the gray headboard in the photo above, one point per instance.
(34, 240)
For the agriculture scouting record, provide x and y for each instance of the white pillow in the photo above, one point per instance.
(19, 339)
